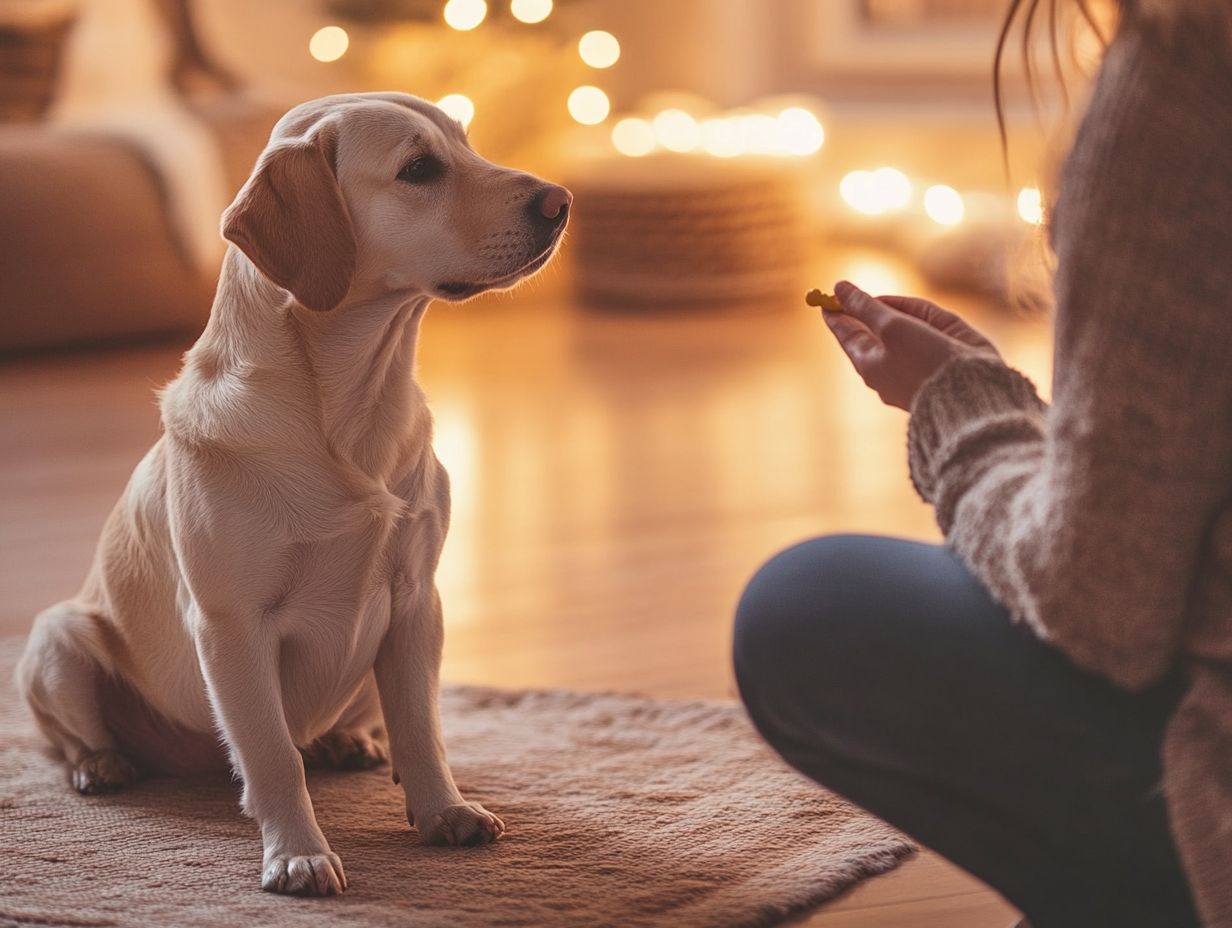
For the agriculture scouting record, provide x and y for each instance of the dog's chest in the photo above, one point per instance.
(331, 628)
(339, 611)
(369, 527)
(334, 581)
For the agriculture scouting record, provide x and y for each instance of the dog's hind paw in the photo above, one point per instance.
(348, 750)
(466, 825)
(102, 771)
(309, 875)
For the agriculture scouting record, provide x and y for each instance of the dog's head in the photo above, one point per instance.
(368, 194)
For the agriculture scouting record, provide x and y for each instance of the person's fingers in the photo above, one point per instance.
(873, 313)
(928, 311)
(939, 318)
(857, 342)
(917, 306)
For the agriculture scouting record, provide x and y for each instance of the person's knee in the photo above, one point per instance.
(787, 629)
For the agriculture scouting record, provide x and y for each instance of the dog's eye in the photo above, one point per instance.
(421, 170)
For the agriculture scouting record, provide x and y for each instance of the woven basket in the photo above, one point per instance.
(686, 231)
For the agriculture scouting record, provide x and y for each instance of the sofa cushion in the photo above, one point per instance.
(86, 250)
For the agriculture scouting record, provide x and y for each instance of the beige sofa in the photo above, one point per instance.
(87, 253)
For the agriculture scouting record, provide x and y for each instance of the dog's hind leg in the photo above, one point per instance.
(59, 676)
(357, 741)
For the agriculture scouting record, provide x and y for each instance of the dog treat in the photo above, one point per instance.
(825, 300)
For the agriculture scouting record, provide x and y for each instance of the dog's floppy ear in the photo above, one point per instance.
(292, 223)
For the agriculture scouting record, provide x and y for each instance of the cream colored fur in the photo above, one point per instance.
(268, 572)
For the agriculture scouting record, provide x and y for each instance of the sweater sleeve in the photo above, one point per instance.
(1087, 518)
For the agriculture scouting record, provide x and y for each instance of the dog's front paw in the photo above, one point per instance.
(347, 750)
(464, 825)
(102, 772)
(309, 875)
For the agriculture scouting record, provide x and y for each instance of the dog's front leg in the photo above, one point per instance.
(240, 664)
(408, 677)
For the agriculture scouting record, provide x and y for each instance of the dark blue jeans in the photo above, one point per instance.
(885, 671)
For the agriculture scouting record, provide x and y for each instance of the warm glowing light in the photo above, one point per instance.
(676, 130)
(599, 49)
(721, 138)
(859, 192)
(459, 107)
(589, 105)
(329, 44)
(876, 274)
(531, 11)
(944, 205)
(876, 192)
(759, 134)
(465, 15)
(894, 186)
(1031, 205)
(799, 132)
(633, 137)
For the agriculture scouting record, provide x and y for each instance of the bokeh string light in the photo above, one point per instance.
(721, 138)
(885, 195)
(1031, 206)
(676, 130)
(531, 11)
(329, 43)
(944, 205)
(459, 107)
(465, 15)
(799, 132)
(875, 193)
(589, 105)
(758, 133)
(599, 49)
(794, 131)
(633, 137)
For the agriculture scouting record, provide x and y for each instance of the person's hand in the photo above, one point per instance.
(896, 343)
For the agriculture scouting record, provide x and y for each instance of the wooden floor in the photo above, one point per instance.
(616, 479)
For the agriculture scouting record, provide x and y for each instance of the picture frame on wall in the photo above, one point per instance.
(904, 40)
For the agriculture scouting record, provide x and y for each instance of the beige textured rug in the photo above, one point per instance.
(621, 811)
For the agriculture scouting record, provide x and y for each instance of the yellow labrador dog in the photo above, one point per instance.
(266, 580)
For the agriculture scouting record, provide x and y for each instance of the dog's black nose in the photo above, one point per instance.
(551, 204)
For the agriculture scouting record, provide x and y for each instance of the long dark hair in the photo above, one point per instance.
(1032, 9)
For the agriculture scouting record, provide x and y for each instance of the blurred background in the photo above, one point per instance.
(631, 433)
(714, 144)
(634, 430)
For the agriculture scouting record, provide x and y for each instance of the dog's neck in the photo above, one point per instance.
(349, 371)
(362, 359)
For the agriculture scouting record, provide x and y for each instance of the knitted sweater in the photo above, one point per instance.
(1104, 522)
